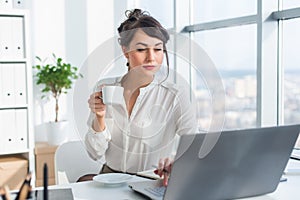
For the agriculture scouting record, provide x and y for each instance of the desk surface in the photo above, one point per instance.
(93, 190)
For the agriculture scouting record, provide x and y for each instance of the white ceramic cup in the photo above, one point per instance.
(113, 95)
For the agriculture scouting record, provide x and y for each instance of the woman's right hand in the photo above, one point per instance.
(96, 104)
(164, 169)
(98, 107)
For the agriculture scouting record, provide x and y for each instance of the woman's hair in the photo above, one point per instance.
(138, 19)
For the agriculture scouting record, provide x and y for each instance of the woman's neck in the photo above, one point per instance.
(132, 83)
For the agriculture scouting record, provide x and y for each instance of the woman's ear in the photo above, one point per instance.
(125, 51)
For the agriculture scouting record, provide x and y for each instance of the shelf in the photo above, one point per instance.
(15, 152)
(16, 98)
(17, 60)
(3, 107)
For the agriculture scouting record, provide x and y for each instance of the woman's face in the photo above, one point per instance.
(144, 52)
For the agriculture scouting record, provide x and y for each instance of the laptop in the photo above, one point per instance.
(242, 163)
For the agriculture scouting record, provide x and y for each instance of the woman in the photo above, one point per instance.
(143, 131)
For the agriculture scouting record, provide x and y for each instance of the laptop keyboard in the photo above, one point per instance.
(157, 191)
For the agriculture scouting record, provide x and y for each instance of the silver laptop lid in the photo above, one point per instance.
(242, 163)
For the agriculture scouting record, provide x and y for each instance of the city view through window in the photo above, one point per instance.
(291, 66)
(240, 100)
(240, 90)
(233, 51)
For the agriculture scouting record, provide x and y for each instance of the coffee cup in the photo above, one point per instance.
(113, 95)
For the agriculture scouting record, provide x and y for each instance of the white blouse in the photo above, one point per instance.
(134, 143)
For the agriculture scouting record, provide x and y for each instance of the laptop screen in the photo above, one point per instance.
(241, 163)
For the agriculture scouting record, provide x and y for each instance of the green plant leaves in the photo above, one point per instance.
(57, 77)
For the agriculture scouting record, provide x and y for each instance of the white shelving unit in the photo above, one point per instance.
(16, 124)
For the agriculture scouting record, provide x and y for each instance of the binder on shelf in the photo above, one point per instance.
(5, 37)
(17, 42)
(7, 133)
(11, 38)
(13, 85)
(13, 130)
(20, 84)
(21, 129)
(7, 84)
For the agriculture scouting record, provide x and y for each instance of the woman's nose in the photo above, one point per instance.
(150, 55)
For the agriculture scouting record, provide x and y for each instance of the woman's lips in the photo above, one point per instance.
(149, 67)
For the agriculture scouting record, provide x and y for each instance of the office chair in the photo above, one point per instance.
(72, 161)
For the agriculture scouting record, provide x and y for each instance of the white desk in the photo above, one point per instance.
(92, 190)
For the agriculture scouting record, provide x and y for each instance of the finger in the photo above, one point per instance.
(95, 98)
(167, 163)
(166, 170)
(160, 167)
(165, 181)
(96, 95)
(97, 106)
(95, 101)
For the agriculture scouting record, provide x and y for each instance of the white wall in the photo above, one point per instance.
(76, 31)
(72, 30)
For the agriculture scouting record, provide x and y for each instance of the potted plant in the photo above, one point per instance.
(57, 78)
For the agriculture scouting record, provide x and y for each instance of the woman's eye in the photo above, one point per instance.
(141, 50)
(158, 49)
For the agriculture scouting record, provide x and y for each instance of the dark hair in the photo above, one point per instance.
(138, 19)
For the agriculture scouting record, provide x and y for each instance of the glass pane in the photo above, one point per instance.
(233, 50)
(208, 10)
(163, 11)
(291, 65)
(287, 4)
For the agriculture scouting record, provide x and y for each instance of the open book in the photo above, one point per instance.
(296, 154)
(148, 174)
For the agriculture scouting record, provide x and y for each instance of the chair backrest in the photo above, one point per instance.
(72, 161)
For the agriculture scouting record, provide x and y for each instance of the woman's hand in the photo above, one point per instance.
(96, 104)
(164, 169)
(98, 107)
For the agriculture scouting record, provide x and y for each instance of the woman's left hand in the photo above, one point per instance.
(164, 169)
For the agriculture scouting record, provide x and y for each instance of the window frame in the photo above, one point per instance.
(268, 19)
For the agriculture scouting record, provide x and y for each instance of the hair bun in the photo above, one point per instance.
(135, 14)
(137, 19)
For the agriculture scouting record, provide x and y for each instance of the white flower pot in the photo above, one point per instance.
(57, 132)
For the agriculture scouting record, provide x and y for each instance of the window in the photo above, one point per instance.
(207, 10)
(233, 51)
(291, 66)
(287, 4)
